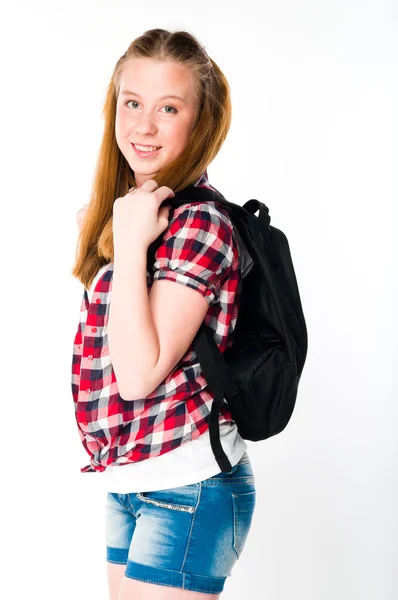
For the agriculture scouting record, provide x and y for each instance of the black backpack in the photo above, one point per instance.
(259, 374)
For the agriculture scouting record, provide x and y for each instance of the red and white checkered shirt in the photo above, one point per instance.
(199, 249)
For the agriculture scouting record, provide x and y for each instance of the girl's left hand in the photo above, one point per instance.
(80, 215)
(137, 218)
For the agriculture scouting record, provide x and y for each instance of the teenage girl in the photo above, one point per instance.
(175, 525)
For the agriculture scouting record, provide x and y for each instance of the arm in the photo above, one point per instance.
(132, 338)
(150, 333)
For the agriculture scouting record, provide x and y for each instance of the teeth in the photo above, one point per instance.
(146, 148)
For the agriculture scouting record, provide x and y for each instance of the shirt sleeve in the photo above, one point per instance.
(197, 250)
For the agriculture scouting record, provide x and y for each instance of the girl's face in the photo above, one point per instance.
(148, 115)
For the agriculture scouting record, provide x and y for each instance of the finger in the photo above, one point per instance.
(164, 211)
(163, 192)
(81, 210)
(149, 186)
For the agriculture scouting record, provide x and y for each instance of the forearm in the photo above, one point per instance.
(132, 337)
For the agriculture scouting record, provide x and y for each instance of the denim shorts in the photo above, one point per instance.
(186, 537)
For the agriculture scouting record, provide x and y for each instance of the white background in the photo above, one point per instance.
(314, 136)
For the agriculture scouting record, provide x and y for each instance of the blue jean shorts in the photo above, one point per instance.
(186, 537)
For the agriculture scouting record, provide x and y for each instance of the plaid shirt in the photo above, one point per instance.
(199, 250)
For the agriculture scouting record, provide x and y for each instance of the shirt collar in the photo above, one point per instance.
(203, 179)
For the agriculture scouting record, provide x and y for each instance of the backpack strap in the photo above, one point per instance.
(216, 374)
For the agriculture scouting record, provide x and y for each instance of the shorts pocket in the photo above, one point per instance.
(243, 509)
(182, 499)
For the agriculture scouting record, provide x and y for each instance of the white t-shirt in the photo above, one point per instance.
(190, 462)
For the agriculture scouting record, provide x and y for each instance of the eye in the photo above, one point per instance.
(128, 102)
(172, 107)
(167, 106)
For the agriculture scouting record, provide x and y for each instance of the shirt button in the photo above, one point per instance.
(88, 390)
(98, 300)
(90, 357)
(94, 329)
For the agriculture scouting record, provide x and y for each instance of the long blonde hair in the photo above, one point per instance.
(113, 176)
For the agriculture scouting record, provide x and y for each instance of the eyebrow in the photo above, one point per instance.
(128, 93)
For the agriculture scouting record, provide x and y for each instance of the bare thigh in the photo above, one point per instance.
(115, 574)
(125, 588)
(133, 589)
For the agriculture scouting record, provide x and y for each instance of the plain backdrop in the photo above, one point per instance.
(314, 136)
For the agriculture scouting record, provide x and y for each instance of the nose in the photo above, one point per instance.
(145, 124)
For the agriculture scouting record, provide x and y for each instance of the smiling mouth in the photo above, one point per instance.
(145, 148)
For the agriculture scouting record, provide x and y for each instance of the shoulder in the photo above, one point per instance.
(203, 215)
